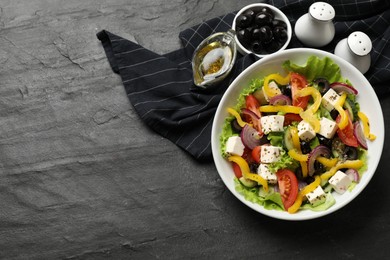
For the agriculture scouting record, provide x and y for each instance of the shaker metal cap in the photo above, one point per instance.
(322, 11)
(359, 43)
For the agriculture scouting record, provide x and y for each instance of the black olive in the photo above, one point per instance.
(322, 85)
(325, 141)
(272, 46)
(334, 113)
(264, 140)
(305, 147)
(253, 167)
(256, 47)
(267, 10)
(286, 90)
(280, 34)
(279, 23)
(263, 18)
(298, 173)
(318, 168)
(235, 126)
(309, 179)
(244, 35)
(265, 34)
(243, 21)
(256, 33)
(251, 14)
(350, 153)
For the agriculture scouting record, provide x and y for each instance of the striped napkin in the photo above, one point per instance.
(161, 89)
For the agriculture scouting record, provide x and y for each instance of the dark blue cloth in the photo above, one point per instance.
(161, 89)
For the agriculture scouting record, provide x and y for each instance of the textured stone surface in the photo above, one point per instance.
(81, 177)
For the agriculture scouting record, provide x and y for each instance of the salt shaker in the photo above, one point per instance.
(356, 50)
(316, 28)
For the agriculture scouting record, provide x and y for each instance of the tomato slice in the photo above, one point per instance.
(346, 135)
(288, 187)
(290, 117)
(256, 154)
(298, 82)
(237, 170)
(253, 105)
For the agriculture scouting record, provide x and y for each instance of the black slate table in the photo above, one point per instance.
(81, 177)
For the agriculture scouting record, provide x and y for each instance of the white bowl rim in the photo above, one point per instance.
(373, 161)
(241, 48)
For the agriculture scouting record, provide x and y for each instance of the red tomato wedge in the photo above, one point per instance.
(288, 186)
(237, 171)
(256, 154)
(298, 82)
(347, 135)
(289, 118)
(253, 105)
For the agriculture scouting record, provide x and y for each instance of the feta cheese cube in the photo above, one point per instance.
(270, 154)
(235, 146)
(328, 127)
(305, 131)
(272, 123)
(340, 182)
(330, 99)
(274, 88)
(317, 196)
(266, 174)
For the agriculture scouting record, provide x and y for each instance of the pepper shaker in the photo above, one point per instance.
(356, 50)
(316, 28)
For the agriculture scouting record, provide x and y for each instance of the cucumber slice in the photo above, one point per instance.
(263, 193)
(287, 139)
(247, 183)
(348, 106)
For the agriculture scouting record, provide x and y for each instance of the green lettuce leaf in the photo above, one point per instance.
(276, 138)
(329, 202)
(317, 68)
(270, 200)
(284, 162)
(253, 86)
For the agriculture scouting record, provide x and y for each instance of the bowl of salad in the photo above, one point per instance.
(298, 134)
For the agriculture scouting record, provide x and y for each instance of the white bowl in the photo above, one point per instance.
(278, 15)
(369, 104)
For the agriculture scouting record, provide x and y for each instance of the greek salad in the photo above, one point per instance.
(295, 139)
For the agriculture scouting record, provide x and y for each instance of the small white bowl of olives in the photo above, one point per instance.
(261, 29)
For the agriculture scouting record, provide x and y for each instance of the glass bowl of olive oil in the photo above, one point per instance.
(214, 58)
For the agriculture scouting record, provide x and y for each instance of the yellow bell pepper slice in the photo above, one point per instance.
(246, 171)
(298, 156)
(366, 126)
(309, 114)
(316, 95)
(354, 164)
(237, 116)
(295, 138)
(285, 109)
(311, 119)
(309, 188)
(339, 107)
(327, 162)
(279, 79)
(297, 146)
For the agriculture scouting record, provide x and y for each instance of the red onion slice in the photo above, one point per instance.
(358, 132)
(320, 150)
(301, 185)
(280, 100)
(353, 174)
(250, 137)
(250, 113)
(343, 87)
